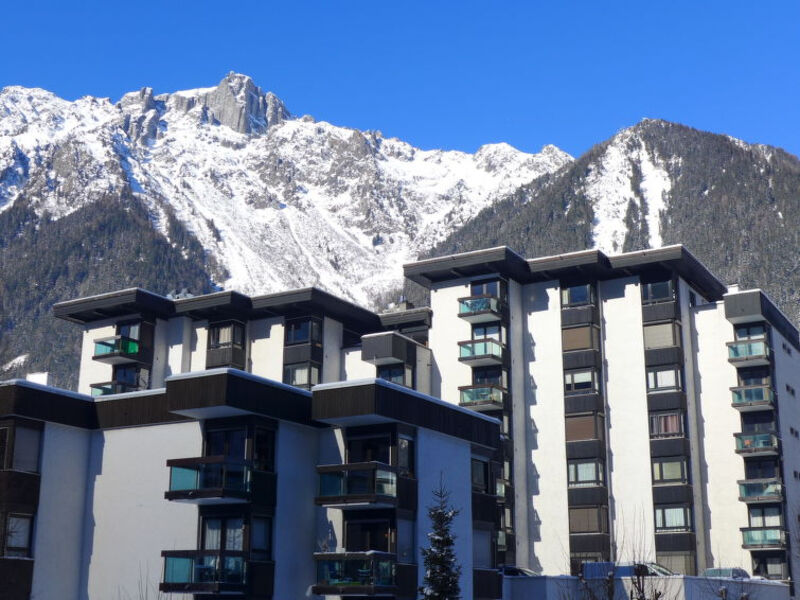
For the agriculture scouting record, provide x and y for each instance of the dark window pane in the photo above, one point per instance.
(405, 456)
(480, 476)
(264, 450)
(373, 449)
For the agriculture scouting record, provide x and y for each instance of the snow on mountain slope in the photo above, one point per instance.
(278, 201)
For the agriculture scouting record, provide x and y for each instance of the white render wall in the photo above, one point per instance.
(92, 371)
(445, 459)
(353, 367)
(631, 518)
(539, 444)
(198, 346)
(447, 372)
(719, 465)
(127, 520)
(59, 517)
(265, 337)
(178, 340)
(297, 450)
(332, 332)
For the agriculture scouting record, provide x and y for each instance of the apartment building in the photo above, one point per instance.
(577, 407)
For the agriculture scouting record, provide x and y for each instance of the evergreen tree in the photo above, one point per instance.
(441, 569)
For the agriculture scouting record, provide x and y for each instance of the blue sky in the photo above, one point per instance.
(438, 73)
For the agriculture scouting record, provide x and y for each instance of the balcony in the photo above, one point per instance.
(764, 444)
(119, 349)
(356, 573)
(218, 480)
(345, 486)
(760, 491)
(752, 398)
(748, 353)
(481, 353)
(479, 309)
(766, 538)
(212, 572)
(112, 387)
(482, 397)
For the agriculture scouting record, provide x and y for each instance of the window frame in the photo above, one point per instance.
(314, 331)
(594, 338)
(310, 367)
(572, 473)
(598, 426)
(18, 551)
(566, 296)
(675, 330)
(656, 417)
(749, 331)
(600, 516)
(569, 382)
(650, 297)
(652, 376)
(656, 467)
(663, 528)
(237, 335)
(479, 487)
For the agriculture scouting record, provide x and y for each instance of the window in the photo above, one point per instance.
(3, 446)
(304, 375)
(487, 288)
(229, 443)
(758, 422)
(226, 335)
(760, 469)
(673, 518)
(480, 476)
(397, 373)
(26, 449)
(663, 379)
(593, 519)
(484, 331)
(677, 562)
(771, 566)
(261, 538)
(482, 549)
(585, 473)
(362, 536)
(662, 335)
(405, 456)
(131, 376)
(406, 547)
(223, 533)
(18, 535)
(584, 427)
(765, 516)
(751, 331)
(669, 470)
(666, 424)
(303, 331)
(129, 330)
(489, 376)
(580, 382)
(659, 291)
(580, 338)
(368, 449)
(264, 449)
(754, 376)
(577, 295)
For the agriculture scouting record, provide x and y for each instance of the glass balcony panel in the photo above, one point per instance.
(331, 484)
(762, 537)
(204, 568)
(356, 572)
(358, 482)
(116, 345)
(482, 395)
(234, 477)
(178, 570)
(760, 489)
(385, 483)
(482, 348)
(473, 305)
(741, 350)
(111, 387)
(746, 395)
(756, 441)
(181, 479)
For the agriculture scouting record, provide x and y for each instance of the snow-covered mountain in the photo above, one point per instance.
(275, 200)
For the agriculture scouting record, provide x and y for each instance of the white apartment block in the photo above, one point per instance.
(579, 407)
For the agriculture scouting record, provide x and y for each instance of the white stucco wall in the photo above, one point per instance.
(332, 332)
(447, 373)
(353, 367)
(423, 369)
(59, 518)
(297, 452)
(628, 462)
(127, 520)
(199, 345)
(539, 427)
(160, 353)
(266, 347)
(92, 371)
(179, 346)
(446, 459)
(717, 466)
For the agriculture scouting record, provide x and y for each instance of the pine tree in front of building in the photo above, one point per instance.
(442, 572)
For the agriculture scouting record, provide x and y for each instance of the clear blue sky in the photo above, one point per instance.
(439, 73)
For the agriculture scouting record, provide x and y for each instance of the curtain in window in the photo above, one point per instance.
(587, 472)
(233, 534)
(212, 529)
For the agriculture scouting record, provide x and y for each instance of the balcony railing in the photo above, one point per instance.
(763, 537)
(208, 477)
(756, 443)
(751, 352)
(477, 309)
(112, 387)
(116, 344)
(203, 570)
(760, 490)
(482, 397)
(355, 573)
(756, 397)
(481, 352)
(368, 482)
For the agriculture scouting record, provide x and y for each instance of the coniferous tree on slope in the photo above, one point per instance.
(442, 572)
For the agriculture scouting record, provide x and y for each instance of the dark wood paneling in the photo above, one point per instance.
(225, 357)
(669, 447)
(660, 311)
(406, 580)
(589, 542)
(136, 410)
(35, 402)
(581, 359)
(674, 542)
(19, 492)
(672, 494)
(587, 496)
(16, 577)
(297, 353)
(586, 449)
(583, 403)
(487, 584)
(407, 493)
(663, 356)
(579, 315)
(666, 401)
(484, 508)
(261, 579)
